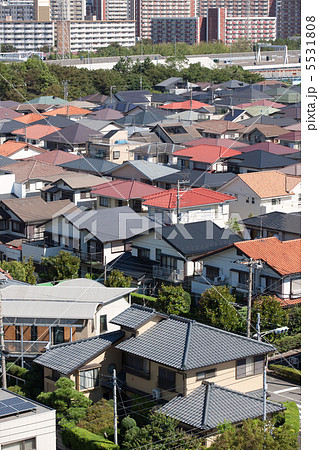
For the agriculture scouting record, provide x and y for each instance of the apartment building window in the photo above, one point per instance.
(249, 366)
(166, 379)
(89, 378)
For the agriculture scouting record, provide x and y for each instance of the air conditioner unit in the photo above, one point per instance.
(156, 394)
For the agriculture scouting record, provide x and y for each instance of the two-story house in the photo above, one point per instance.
(36, 317)
(173, 359)
(263, 192)
(189, 205)
(277, 270)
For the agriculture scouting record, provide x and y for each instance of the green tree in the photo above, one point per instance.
(15, 268)
(216, 307)
(253, 435)
(60, 267)
(30, 276)
(70, 405)
(99, 418)
(118, 279)
(173, 300)
(272, 315)
(294, 322)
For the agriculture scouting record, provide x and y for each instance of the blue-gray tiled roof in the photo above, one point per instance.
(210, 405)
(185, 344)
(65, 358)
(136, 315)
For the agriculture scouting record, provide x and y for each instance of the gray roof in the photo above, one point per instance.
(277, 221)
(198, 178)
(134, 316)
(169, 81)
(259, 159)
(73, 134)
(110, 224)
(154, 148)
(150, 170)
(185, 344)
(66, 358)
(55, 121)
(95, 166)
(210, 405)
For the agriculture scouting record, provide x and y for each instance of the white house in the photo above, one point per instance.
(263, 192)
(25, 424)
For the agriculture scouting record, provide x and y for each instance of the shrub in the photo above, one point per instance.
(142, 299)
(286, 372)
(286, 343)
(127, 423)
(78, 438)
(99, 418)
(292, 418)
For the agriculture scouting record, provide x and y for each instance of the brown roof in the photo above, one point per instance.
(270, 183)
(55, 157)
(219, 126)
(32, 169)
(34, 209)
(266, 130)
(77, 180)
(36, 131)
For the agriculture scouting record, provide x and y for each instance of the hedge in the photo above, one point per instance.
(286, 372)
(78, 438)
(140, 299)
(292, 417)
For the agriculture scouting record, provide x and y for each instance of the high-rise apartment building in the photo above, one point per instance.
(42, 10)
(16, 10)
(68, 9)
(145, 10)
(288, 14)
(235, 8)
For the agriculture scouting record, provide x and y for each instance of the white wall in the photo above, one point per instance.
(7, 182)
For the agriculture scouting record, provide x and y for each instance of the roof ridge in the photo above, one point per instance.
(208, 390)
(187, 344)
(91, 338)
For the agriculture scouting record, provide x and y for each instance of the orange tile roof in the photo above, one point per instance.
(282, 256)
(286, 302)
(270, 183)
(36, 131)
(9, 148)
(68, 110)
(187, 105)
(29, 118)
(188, 198)
(206, 153)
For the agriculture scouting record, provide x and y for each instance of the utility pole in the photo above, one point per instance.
(264, 392)
(251, 263)
(115, 406)
(177, 202)
(258, 327)
(2, 348)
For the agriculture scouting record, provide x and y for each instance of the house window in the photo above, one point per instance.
(89, 379)
(3, 225)
(249, 366)
(18, 227)
(103, 323)
(166, 379)
(253, 200)
(212, 272)
(116, 155)
(275, 201)
(58, 335)
(169, 262)
(143, 253)
(136, 365)
(247, 199)
(243, 277)
(34, 333)
(206, 374)
(27, 444)
(158, 254)
(104, 201)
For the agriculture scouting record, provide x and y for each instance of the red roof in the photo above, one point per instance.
(223, 142)
(29, 118)
(55, 157)
(269, 147)
(207, 153)
(68, 110)
(10, 147)
(261, 103)
(36, 131)
(125, 189)
(286, 302)
(291, 136)
(187, 105)
(188, 198)
(282, 256)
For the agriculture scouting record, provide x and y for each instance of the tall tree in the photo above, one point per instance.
(173, 300)
(272, 315)
(60, 267)
(117, 279)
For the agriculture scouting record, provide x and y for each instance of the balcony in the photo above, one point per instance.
(38, 249)
(168, 274)
(90, 258)
(27, 348)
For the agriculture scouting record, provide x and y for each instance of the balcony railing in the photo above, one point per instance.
(166, 273)
(25, 347)
(96, 257)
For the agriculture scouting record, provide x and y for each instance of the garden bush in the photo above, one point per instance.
(78, 438)
(286, 372)
(287, 343)
(141, 299)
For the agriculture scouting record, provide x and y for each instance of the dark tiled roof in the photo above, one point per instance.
(198, 179)
(65, 358)
(92, 165)
(185, 344)
(136, 315)
(210, 405)
(132, 266)
(73, 134)
(55, 121)
(258, 159)
(279, 221)
(133, 96)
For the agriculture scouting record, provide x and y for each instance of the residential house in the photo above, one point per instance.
(282, 225)
(56, 157)
(257, 160)
(220, 129)
(277, 272)
(188, 205)
(198, 355)
(25, 424)
(123, 193)
(195, 179)
(31, 176)
(20, 150)
(236, 114)
(260, 118)
(7, 127)
(157, 152)
(229, 143)
(51, 100)
(19, 220)
(141, 170)
(210, 158)
(72, 138)
(41, 316)
(96, 236)
(170, 250)
(263, 133)
(88, 362)
(73, 186)
(176, 133)
(270, 147)
(93, 166)
(263, 192)
(35, 134)
(71, 112)
(137, 97)
(8, 113)
(168, 85)
(148, 117)
(291, 139)
(105, 114)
